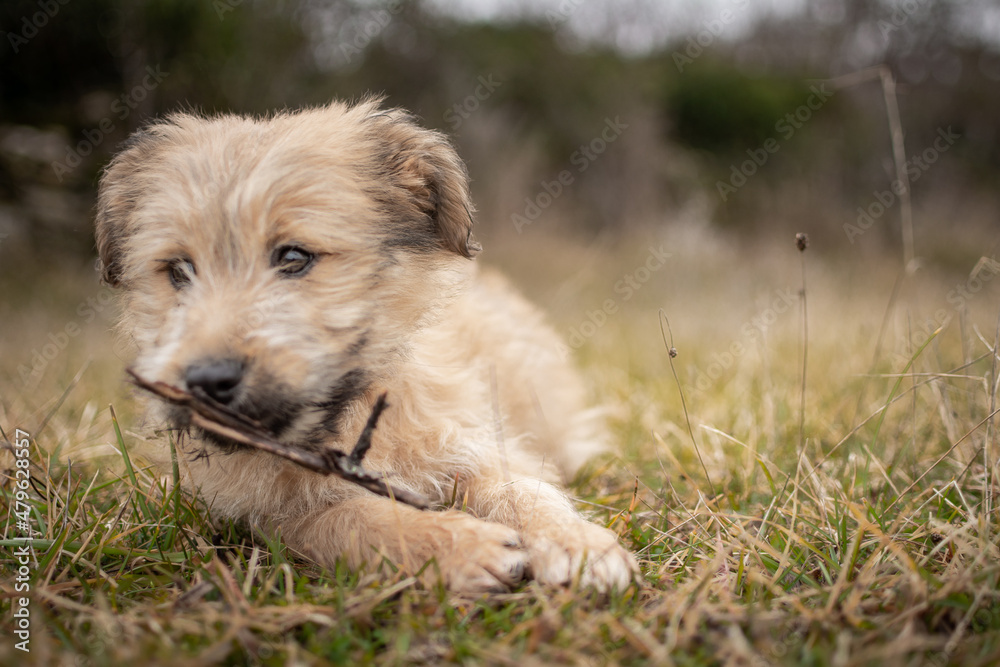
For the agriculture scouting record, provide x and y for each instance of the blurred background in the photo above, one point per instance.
(684, 92)
(599, 135)
(626, 156)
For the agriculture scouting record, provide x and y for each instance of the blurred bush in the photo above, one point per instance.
(719, 108)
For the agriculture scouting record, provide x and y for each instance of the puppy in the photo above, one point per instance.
(294, 268)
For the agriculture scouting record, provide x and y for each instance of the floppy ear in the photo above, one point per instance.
(425, 165)
(115, 201)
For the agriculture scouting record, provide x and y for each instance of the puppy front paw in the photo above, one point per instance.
(472, 556)
(579, 548)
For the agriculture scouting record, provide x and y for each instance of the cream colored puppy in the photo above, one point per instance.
(297, 266)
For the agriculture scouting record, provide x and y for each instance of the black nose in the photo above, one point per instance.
(219, 378)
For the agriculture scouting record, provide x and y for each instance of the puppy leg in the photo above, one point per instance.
(560, 542)
(473, 556)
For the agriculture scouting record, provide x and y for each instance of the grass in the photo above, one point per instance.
(852, 522)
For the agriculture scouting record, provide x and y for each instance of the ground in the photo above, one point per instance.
(810, 480)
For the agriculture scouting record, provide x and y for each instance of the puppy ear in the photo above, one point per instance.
(115, 201)
(426, 166)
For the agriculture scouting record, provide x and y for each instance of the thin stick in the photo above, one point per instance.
(884, 74)
(899, 158)
(671, 353)
(215, 418)
(987, 468)
(801, 242)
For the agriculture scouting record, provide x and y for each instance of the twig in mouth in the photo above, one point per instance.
(216, 418)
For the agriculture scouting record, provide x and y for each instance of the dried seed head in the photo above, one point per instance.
(801, 241)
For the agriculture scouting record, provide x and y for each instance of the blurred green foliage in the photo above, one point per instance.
(721, 109)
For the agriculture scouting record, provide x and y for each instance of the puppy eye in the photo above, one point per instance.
(292, 261)
(180, 272)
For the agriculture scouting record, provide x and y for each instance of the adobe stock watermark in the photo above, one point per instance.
(100, 642)
(122, 107)
(786, 127)
(781, 302)
(581, 158)
(57, 341)
(223, 7)
(556, 17)
(711, 30)
(266, 647)
(900, 16)
(984, 272)
(780, 650)
(625, 289)
(460, 111)
(368, 28)
(984, 619)
(914, 168)
(252, 320)
(22, 553)
(31, 25)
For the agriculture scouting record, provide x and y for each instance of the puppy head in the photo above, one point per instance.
(282, 264)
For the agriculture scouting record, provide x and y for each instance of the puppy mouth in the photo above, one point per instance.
(275, 423)
(274, 415)
(311, 425)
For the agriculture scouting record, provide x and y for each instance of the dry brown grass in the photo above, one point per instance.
(875, 542)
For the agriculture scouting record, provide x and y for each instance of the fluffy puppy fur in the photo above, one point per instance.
(295, 267)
